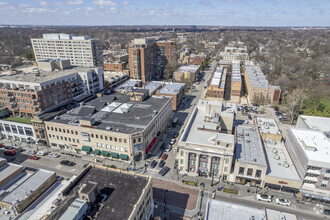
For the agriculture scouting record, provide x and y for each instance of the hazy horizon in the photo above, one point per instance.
(247, 13)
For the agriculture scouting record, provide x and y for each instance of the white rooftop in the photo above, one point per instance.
(188, 68)
(268, 125)
(277, 215)
(257, 78)
(221, 210)
(171, 88)
(280, 164)
(317, 123)
(314, 143)
(204, 133)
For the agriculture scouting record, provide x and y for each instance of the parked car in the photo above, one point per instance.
(85, 165)
(30, 151)
(161, 164)
(326, 211)
(59, 178)
(1, 145)
(282, 202)
(264, 197)
(164, 170)
(163, 146)
(168, 148)
(34, 158)
(176, 149)
(53, 155)
(153, 164)
(250, 118)
(175, 134)
(164, 157)
(67, 163)
(9, 153)
(41, 153)
(172, 141)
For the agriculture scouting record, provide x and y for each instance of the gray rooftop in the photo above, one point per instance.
(204, 133)
(279, 162)
(128, 83)
(8, 169)
(268, 126)
(43, 76)
(115, 111)
(28, 186)
(236, 73)
(171, 88)
(123, 190)
(257, 78)
(249, 148)
(153, 85)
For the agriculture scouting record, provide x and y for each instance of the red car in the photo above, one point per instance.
(1, 145)
(164, 157)
(9, 152)
(34, 158)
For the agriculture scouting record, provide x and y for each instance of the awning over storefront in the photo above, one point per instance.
(114, 155)
(151, 144)
(123, 156)
(97, 152)
(86, 148)
(105, 153)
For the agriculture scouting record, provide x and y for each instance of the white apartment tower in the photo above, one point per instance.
(80, 50)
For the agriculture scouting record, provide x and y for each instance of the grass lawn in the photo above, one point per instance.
(326, 101)
(19, 119)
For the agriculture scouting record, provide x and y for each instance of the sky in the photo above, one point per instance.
(169, 12)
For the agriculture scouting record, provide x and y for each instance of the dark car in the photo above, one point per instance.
(175, 134)
(163, 146)
(9, 153)
(64, 162)
(327, 211)
(256, 105)
(161, 163)
(164, 170)
(250, 118)
(153, 164)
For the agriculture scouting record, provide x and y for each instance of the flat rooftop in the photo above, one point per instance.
(221, 210)
(277, 215)
(128, 83)
(123, 190)
(317, 123)
(8, 169)
(115, 112)
(257, 78)
(279, 162)
(249, 148)
(201, 132)
(314, 143)
(236, 73)
(268, 126)
(39, 76)
(153, 85)
(31, 184)
(188, 68)
(171, 88)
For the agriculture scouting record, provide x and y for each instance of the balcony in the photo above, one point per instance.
(313, 172)
(311, 179)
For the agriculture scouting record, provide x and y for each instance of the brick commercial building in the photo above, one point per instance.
(80, 50)
(258, 88)
(113, 125)
(187, 73)
(114, 66)
(174, 90)
(148, 58)
(29, 93)
(216, 86)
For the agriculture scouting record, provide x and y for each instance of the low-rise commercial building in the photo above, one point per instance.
(114, 79)
(232, 56)
(29, 93)
(203, 150)
(114, 66)
(113, 125)
(110, 194)
(221, 210)
(187, 73)
(250, 162)
(258, 88)
(314, 123)
(19, 129)
(170, 89)
(310, 153)
(268, 129)
(281, 173)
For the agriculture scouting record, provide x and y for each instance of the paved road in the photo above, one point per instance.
(300, 213)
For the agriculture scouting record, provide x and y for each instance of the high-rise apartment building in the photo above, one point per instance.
(149, 56)
(80, 50)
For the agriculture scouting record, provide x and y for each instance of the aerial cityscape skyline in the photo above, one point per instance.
(207, 12)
